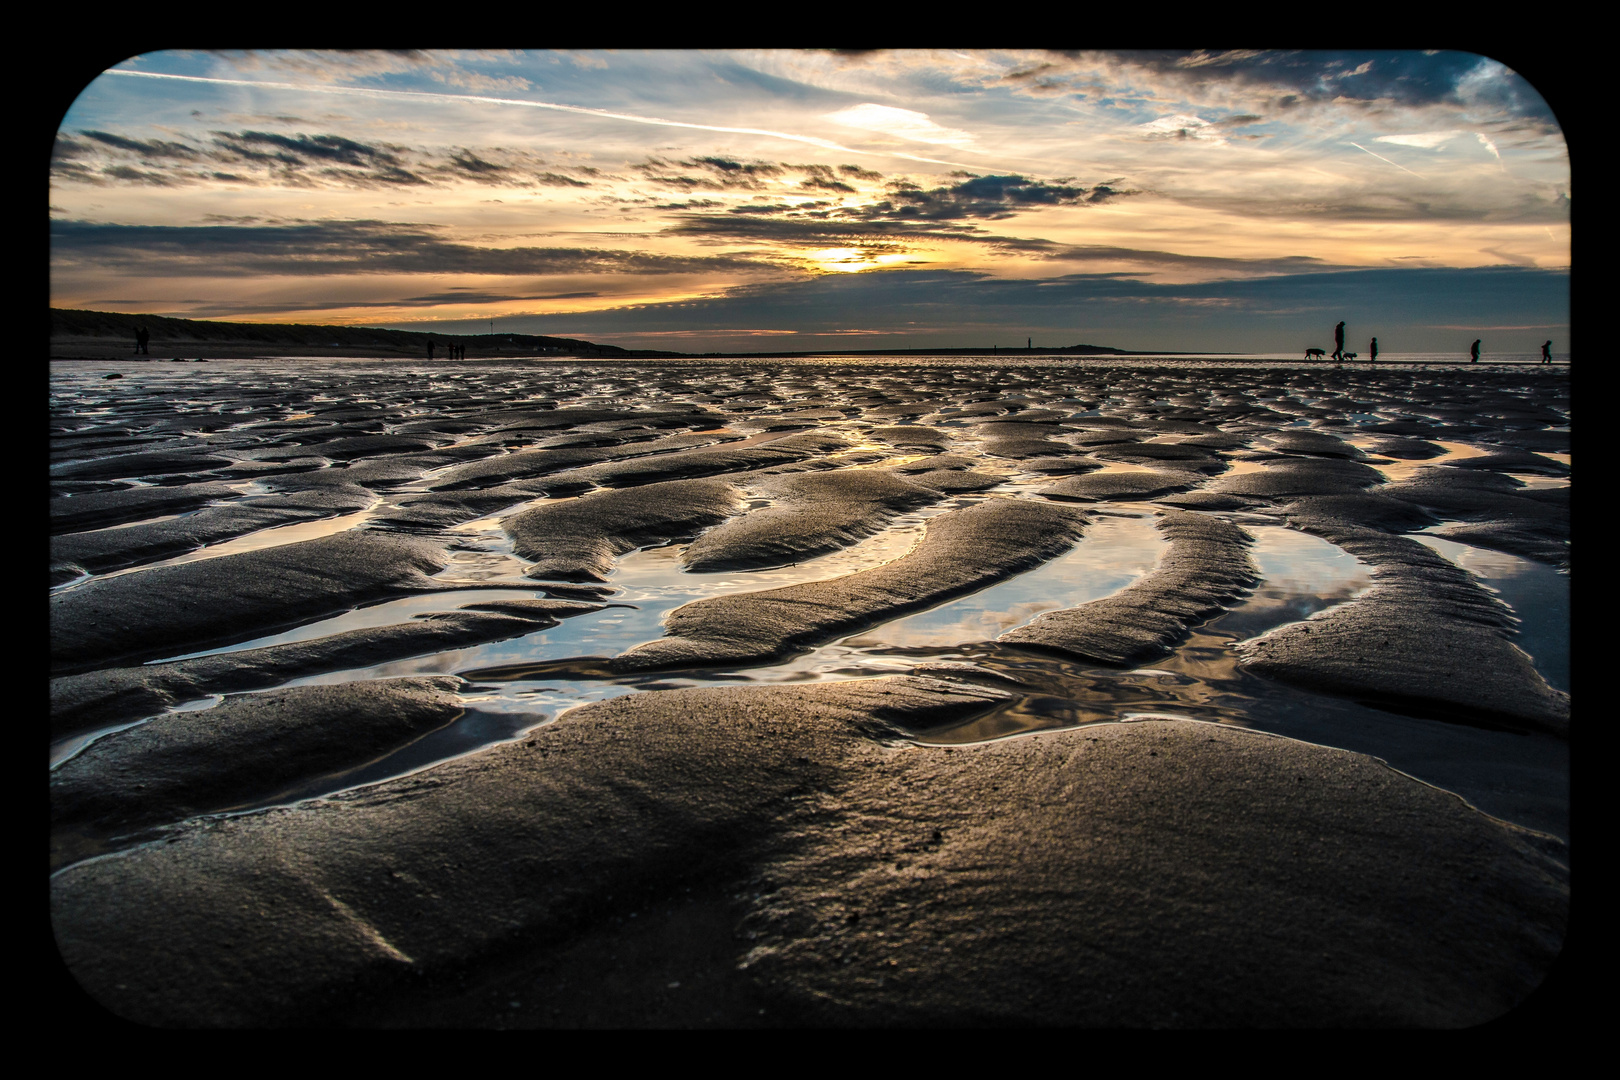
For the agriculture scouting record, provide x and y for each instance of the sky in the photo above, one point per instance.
(794, 200)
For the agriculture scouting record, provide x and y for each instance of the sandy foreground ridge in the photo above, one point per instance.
(821, 693)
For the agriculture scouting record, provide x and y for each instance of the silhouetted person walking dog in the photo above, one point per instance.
(1338, 342)
(1546, 352)
(1374, 350)
(1473, 352)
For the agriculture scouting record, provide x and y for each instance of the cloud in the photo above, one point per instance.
(151, 148)
(471, 80)
(342, 247)
(1427, 140)
(904, 213)
(333, 65)
(1180, 126)
(297, 160)
(903, 123)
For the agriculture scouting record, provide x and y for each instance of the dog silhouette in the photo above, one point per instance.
(1349, 356)
(1317, 353)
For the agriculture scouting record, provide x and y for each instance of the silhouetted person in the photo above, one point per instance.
(141, 338)
(1374, 350)
(1546, 352)
(1473, 352)
(430, 348)
(1338, 342)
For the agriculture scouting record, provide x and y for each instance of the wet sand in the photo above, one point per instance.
(810, 693)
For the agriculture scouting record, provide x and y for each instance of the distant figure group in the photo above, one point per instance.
(141, 338)
(1339, 354)
(452, 351)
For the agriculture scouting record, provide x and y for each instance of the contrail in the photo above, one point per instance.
(602, 113)
(1386, 160)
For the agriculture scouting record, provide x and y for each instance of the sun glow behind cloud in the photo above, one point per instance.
(452, 187)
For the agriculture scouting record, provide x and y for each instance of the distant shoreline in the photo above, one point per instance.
(97, 335)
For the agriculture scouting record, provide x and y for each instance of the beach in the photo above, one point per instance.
(1061, 691)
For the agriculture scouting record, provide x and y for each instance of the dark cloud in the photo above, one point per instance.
(907, 212)
(300, 160)
(287, 154)
(728, 174)
(341, 247)
(470, 296)
(302, 149)
(710, 173)
(551, 179)
(980, 197)
(1290, 78)
(469, 162)
(152, 148)
(823, 178)
(132, 175)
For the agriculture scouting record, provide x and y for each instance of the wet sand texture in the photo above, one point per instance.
(527, 464)
(1424, 635)
(1498, 511)
(1112, 486)
(693, 463)
(1164, 873)
(911, 436)
(1205, 569)
(113, 695)
(112, 549)
(1178, 457)
(441, 509)
(1300, 476)
(249, 747)
(961, 551)
(578, 539)
(99, 509)
(156, 463)
(1318, 443)
(812, 514)
(170, 609)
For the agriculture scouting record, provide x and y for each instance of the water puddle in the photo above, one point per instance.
(1301, 574)
(1401, 469)
(1538, 595)
(1116, 550)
